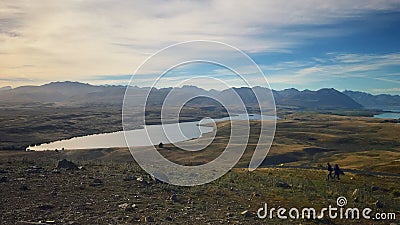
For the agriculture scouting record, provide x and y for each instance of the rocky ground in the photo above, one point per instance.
(34, 191)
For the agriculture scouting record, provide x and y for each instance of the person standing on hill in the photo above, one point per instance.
(337, 172)
(329, 172)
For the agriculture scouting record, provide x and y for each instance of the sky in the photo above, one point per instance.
(305, 44)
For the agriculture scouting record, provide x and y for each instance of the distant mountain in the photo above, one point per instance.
(6, 88)
(287, 92)
(79, 94)
(326, 98)
(382, 101)
(59, 92)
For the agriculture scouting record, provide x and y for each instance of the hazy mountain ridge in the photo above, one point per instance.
(326, 98)
(5, 88)
(382, 101)
(75, 94)
(60, 92)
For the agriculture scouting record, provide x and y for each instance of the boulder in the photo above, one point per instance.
(283, 184)
(96, 182)
(246, 213)
(174, 198)
(68, 165)
(149, 219)
(378, 204)
(159, 177)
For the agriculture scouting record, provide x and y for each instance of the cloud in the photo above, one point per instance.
(16, 79)
(385, 90)
(73, 39)
(335, 66)
(112, 77)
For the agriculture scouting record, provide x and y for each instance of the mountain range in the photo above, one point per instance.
(80, 94)
(382, 101)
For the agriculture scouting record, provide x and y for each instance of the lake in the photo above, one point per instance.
(389, 115)
(188, 130)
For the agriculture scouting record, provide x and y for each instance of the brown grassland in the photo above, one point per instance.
(293, 175)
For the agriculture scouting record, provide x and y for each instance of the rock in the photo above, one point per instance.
(54, 193)
(34, 169)
(129, 178)
(24, 187)
(375, 188)
(127, 207)
(378, 204)
(168, 218)
(68, 165)
(148, 219)
(246, 213)
(135, 220)
(159, 177)
(96, 182)
(46, 207)
(3, 179)
(174, 198)
(123, 206)
(140, 179)
(396, 193)
(282, 184)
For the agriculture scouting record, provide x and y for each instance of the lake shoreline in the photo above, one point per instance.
(143, 136)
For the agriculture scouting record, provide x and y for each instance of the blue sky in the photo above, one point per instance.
(363, 55)
(308, 44)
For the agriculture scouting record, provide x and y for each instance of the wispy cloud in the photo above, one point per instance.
(336, 65)
(394, 91)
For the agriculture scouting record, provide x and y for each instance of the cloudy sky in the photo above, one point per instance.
(306, 44)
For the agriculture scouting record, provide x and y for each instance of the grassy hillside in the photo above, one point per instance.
(110, 192)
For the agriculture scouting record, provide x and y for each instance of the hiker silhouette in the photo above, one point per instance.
(337, 172)
(330, 170)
